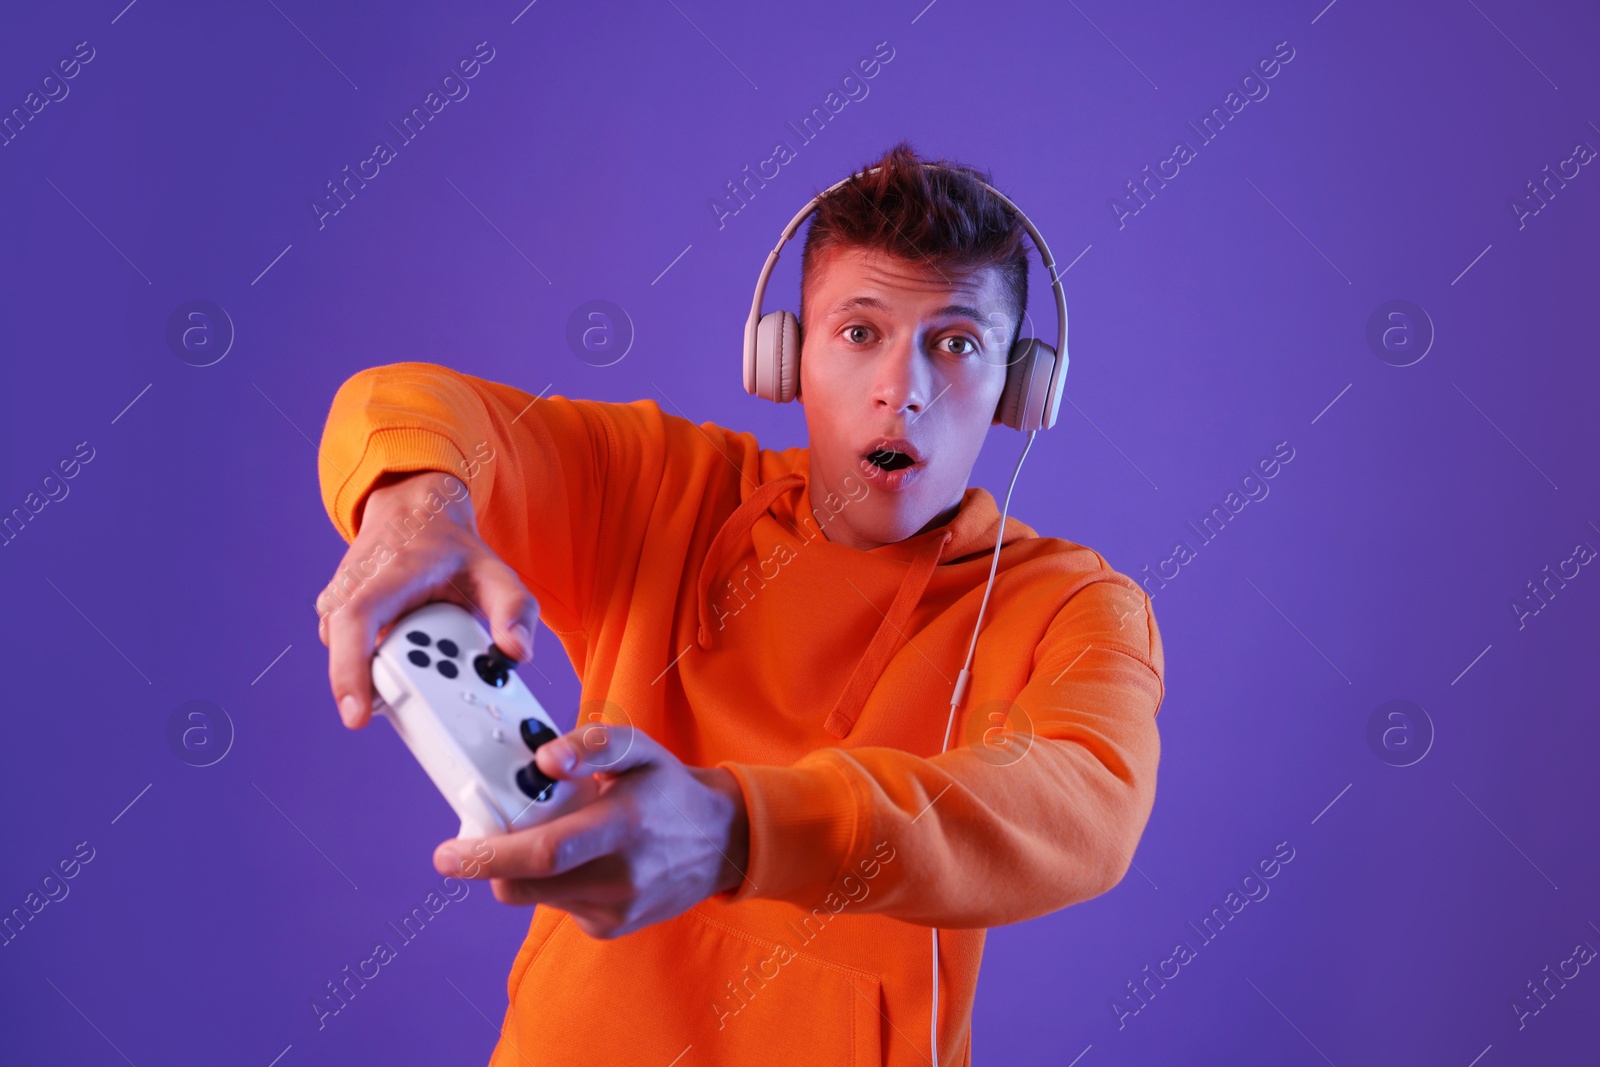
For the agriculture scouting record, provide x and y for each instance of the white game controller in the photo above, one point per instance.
(456, 702)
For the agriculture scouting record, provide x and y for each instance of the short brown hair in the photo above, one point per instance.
(941, 216)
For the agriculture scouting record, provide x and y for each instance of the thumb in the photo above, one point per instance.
(593, 748)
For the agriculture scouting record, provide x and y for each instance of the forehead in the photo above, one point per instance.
(847, 272)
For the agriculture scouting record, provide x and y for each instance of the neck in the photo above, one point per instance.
(836, 525)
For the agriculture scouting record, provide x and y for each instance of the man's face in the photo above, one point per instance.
(893, 349)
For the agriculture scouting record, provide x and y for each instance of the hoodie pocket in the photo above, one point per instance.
(691, 987)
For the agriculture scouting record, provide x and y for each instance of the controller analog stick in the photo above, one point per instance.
(535, 783)
(530, 779)
(494, 667)
(536, 733)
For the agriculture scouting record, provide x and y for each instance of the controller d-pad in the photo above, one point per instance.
(419, 657)
(417, 637)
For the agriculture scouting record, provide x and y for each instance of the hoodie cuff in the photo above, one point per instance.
(804, 829)
(397, 450)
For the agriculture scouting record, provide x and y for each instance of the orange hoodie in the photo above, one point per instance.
(684, 571)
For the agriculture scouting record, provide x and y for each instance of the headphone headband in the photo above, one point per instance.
(1053, 393)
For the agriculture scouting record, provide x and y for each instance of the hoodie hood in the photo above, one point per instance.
(786, 499)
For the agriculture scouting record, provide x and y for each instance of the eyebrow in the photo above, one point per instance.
(878, 305)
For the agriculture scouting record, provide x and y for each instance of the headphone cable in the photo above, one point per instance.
(955, 701)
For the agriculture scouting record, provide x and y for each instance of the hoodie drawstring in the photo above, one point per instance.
(734, 530)
(885, 642)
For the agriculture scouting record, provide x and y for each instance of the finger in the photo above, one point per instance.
(599, 891)
(355, 629)
(409, 579)
(351, 639)
(512, 610)
(328, 604)
(597, 748)
(340, 590)
(539, 852)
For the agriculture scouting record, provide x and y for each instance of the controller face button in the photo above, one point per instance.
(535, 783)
(536, 733)
(417, 637)
(447, 668)
(448, 647)
(419, 657)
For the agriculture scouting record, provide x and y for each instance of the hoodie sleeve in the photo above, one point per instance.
(549, 477)
(1044, 814)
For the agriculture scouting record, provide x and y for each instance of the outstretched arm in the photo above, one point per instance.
(449, 486)
(1044, 810)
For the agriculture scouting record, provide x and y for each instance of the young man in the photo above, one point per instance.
(767, 642)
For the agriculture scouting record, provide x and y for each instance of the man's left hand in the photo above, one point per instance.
(659, 838)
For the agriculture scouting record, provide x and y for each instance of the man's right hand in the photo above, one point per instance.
(382, 577)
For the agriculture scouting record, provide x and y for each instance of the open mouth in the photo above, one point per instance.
(897, 459)
(890, 460)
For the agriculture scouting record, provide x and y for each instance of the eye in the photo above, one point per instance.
(850, 330)
(971, 349)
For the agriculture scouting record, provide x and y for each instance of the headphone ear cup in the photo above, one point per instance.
(1016, 374)
(1026, 404)
(777, 369)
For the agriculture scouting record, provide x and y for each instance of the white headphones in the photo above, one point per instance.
(1035, 372)
(1035, 377)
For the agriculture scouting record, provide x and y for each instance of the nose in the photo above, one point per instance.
(901, 378)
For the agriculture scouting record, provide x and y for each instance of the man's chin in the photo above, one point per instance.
(891, 520)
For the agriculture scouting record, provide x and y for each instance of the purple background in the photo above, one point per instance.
(1208, 328)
